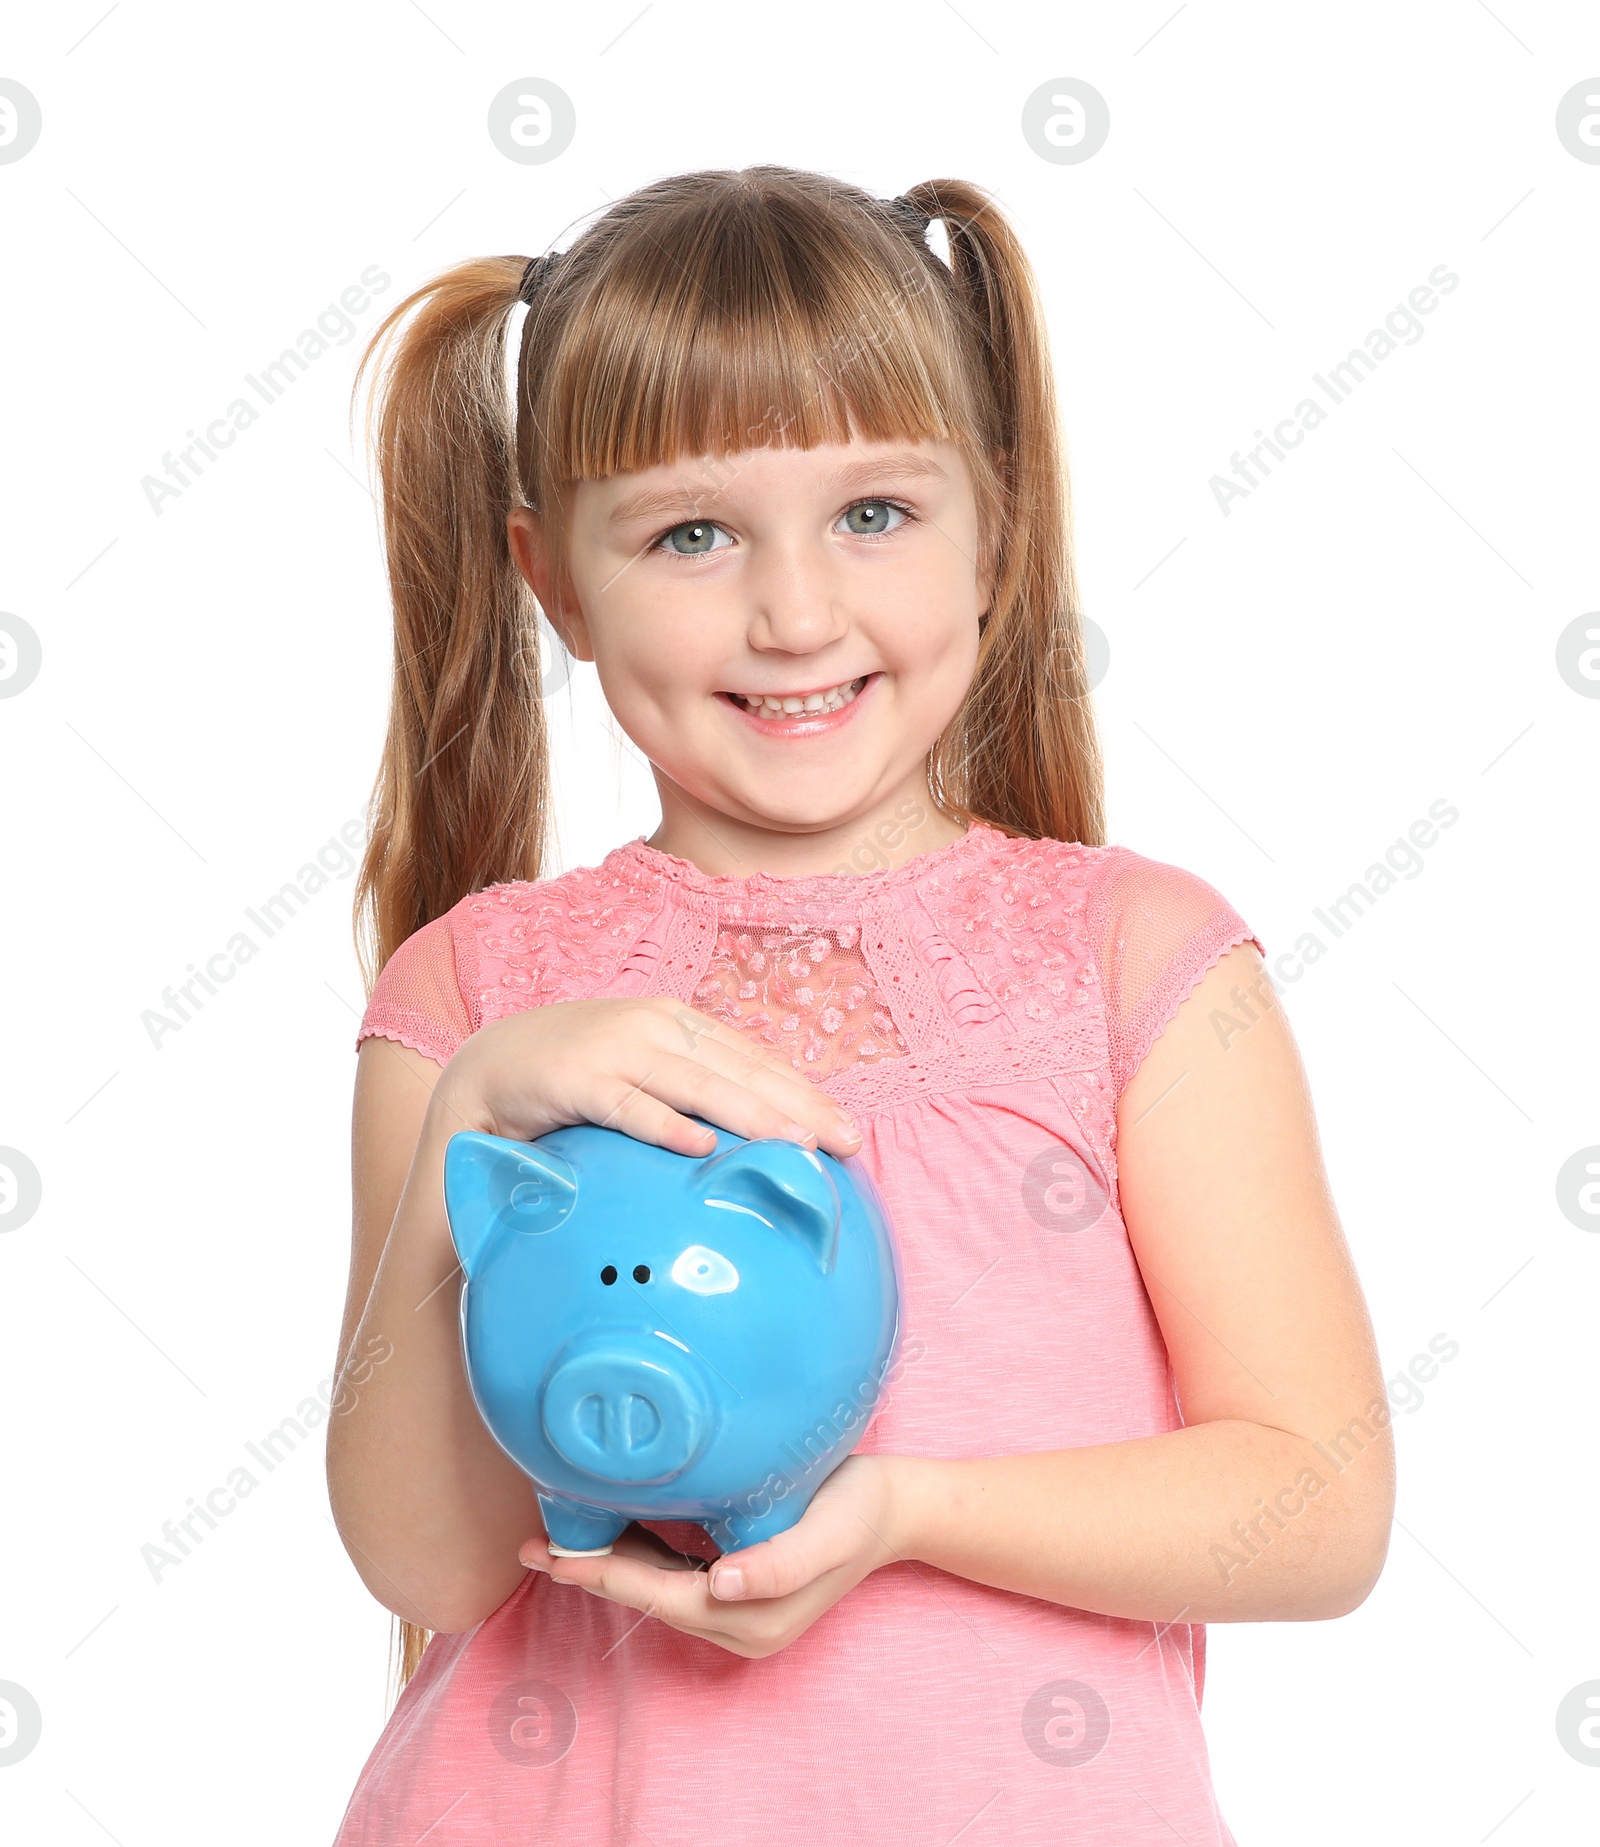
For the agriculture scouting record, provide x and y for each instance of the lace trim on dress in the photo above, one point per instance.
(639, 971)
(423, 1038)
(802, 965)
(963, 995)
(767, 897)
(1018, 924)
(551, 939)
(418, 998)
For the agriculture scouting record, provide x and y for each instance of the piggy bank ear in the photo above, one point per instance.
(490, 1183)
(781, 1184)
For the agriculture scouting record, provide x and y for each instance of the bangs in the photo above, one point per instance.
(746, 322)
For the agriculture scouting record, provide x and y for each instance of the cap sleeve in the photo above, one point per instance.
(418, 999)
(1154, 930)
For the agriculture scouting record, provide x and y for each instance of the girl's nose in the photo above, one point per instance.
(795, 602)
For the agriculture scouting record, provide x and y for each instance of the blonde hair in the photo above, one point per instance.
(706, 314)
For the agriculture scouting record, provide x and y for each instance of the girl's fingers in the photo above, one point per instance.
(644, 1067)
(636, 1112)
(658, 1108)
(777, 1099)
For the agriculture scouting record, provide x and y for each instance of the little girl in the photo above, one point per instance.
(793, 483)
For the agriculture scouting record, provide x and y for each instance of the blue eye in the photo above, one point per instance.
(697, 535)
(869, 516)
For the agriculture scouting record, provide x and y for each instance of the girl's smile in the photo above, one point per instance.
(828, 600)
(802, 714)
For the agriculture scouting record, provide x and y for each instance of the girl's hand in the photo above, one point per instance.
(855, 1523)
(634, 1065)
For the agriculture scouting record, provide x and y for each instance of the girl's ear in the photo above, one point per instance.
(525, 533)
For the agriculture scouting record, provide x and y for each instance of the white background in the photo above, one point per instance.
(1291, 686)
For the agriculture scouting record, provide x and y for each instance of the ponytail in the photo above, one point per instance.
(1023, 752)
(462, 797)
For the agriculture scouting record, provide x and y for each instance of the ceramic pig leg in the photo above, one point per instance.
(575, 1530)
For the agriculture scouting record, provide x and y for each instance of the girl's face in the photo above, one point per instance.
(843, 578)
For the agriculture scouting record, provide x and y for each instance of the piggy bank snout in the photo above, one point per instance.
(626, 1411)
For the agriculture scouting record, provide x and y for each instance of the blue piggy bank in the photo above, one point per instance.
(658, 1336)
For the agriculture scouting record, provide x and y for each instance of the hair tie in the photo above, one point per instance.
(537, 270)
(913, 216)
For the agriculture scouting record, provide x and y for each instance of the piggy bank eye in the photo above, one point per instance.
(609, 1274)
(704, 1271)
(641, 1272)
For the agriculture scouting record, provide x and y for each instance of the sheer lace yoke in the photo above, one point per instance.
(805, 992)
(787, 968)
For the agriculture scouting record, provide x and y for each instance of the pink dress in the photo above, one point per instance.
(978, 1010)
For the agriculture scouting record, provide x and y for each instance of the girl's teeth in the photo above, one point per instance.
(831, 701)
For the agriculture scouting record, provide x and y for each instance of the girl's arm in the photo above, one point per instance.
(430, 1508)
(1274, 1501)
